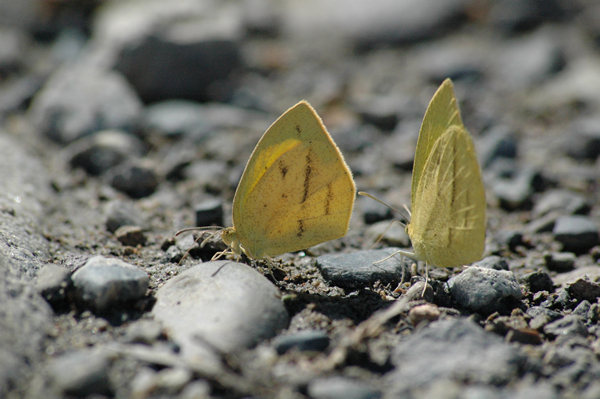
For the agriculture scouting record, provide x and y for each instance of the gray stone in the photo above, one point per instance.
(454, 350)
(498, 142)
(122, 213)
(52, 282)
(539, 281)
(583, 289)
(103, 283)
(485, 290)
(492, 262)
(209, 213)
(225, 304)
(560, 261)
(567, 326)
(341, 388)
(584, 142)
(587, 272)
(359, 269)
(308, 340)
(79, 100)
(134, 179)
(576, 233)
(130, 235)
(81, 373)
(103, 150)
(560, 200)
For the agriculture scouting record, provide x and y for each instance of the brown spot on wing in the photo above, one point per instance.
(283, 169)
(329, 198)
(298, 130)
(300, 228)
(307, 175)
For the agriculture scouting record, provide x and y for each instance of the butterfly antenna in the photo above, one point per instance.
(364, 193)
(198, 229)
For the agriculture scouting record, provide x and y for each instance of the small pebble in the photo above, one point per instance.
(583, 289)
(81, 373)
(539, 281)
(209, 213)
(485, 290)
(52, 283)
(135, 180)
(419, 313)
(560, 261)
(341, 388)
(359, 269)
(122, 213)
(103, 283)
(309, 340)
(130, 235)
(569, 325)
(576, 233)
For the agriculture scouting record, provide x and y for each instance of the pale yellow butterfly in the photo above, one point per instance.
(295, 192)
(447, 226)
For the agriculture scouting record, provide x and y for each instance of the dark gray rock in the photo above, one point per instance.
(103, 150)
(358, 269)
(569, 325)
(576, 233)
(130, 235)
(104, 283)
(52, 283)
(79, 100)
(209, 213)
(341, 388)
(122, 213)
(485, 290)
(560, 261)
(225, 304)
(584, 141)
(134, 179)
(560, 200)
(591, 273)
(81, 373)
(539, 281)
(308, 340)
(516, 192)
(583, 289)
(204, 67)
(454, 350)
(497, 142)
(509, 238)
(373, 211)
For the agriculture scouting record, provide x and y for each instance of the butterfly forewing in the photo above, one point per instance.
(448, 219)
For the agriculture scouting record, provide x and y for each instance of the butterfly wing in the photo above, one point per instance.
(296, 190)
(442, 112)
(448, 222)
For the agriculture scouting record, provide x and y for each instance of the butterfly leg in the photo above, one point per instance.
(426, 280)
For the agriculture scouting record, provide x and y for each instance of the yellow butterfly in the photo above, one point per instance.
(295, 192)
(447, 226)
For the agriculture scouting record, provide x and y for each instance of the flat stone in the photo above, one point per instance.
(576, 233)
(358, 269)
(103, 283)
(226, 304)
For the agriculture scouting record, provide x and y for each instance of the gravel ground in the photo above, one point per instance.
(125, 121)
